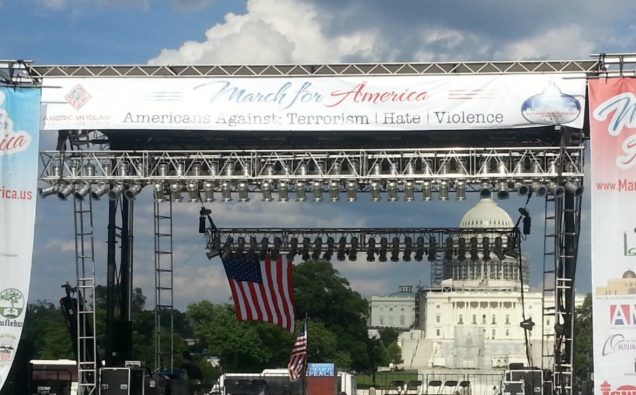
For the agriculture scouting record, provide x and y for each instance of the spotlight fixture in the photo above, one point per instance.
(371, 250)
(474, 249)
(101, 189)
(521, 188)
(409, 191)
(448, 248)
(352, 187)
(556, 189)
(573, 188)
(539, 189)
(461, 249)
(243, 192)
(66, 191)
(427, 190)
(383, 249)
(278, 243)
(353, 251)
(193, 190)
(132, 191)
(317, 248)
(266, 190)
(419, 249)
(395, 249)
(502, 192)
(342, 246)
(408, 249)
(240, 245)
(283, 191)
(498, 247)
(293, 247)
(485, 247)
(443, 190)
(317, 190)
(301, 193)
(48, 191)
(208, 191)
(114, 193)
(83, 190)
(392, 189)
(330, 247)
(375, 191)
(226, 191)
(484, 191)
(432, 249)
(253, 245)
(158, 189)
(264, 248)
(460, 190)
(175, 191)
(334, 190)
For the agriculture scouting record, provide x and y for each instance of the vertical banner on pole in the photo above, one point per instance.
(613, 170)
(19, 135)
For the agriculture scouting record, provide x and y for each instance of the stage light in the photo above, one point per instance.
(293, 246)
(227, 247)
(521, 188)
(65, 191)
(461, 250)
(443, 190)
(375, 191)
(427, 190)
(278, 243)
(243, 192)
(576, 190)
(317, 248)
(448, 249)
(317, 190)
(474, 249)
(371, 250)
(330, 247)
(419, 249)
(392, 189)
(432, 249)
(301, 193)
(253, 245)
(352, 187)
(460, 190)
(266, 190)
(353, 251)
(208, 191)
(81, 193)
(305, 251)
(123, 169)
(395, 249)
(556, 189)
(539, 189)
(342, 246)
(408, 249)
(226, 191)
(409, 191)
(132, 191)
(48, 191)
(502, 192)
(498, 247)
(383, 249)
(163, 169)
(484, 191)
(485, 246)
(283, 191)
(114, 193)
(334, 190)
(101, 189)
(175, 191)
(264, 248)
(158, 191)
(240, 245)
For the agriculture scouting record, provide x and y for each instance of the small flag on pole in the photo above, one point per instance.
(298, 359)
(261, 290)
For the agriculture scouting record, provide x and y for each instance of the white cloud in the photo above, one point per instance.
(566, 41)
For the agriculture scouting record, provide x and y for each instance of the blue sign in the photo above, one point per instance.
(321, 370)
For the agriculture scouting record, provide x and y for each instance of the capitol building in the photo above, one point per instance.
(468, 319)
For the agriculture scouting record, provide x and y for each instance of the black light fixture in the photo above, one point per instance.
(278, 243)
(293, 247)
(330, 247)
(461, 250)
(419, 249)
(474, 249)
(264, 248)
(101, 189)
(317, 248)
(498, 247)
(485, 246)
(342, 249)
(383, 249)
(353, 251)
(408, 249)
(305, 250)
(527, 221)
(432, 249)
(203, 213)
(448, 249)
(395, 249)
(371, 250)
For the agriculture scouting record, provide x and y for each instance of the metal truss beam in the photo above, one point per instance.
(326, 70)
(411, 171)
(345, 243)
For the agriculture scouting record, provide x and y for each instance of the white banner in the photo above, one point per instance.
(366, 103)
(19, 135)
(613, 170)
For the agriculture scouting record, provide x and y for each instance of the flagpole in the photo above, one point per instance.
(305, 370)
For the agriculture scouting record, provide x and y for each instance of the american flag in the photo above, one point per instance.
(262, 291)
(298, 359)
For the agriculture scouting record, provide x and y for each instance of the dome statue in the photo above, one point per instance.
(629, 274)
(486, 214)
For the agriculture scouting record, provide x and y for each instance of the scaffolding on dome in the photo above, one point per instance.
(545, 160)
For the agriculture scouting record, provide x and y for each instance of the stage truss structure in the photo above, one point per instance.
(89, 168)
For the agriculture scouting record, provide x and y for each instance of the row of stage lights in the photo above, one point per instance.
(173, 190)
(472, 249)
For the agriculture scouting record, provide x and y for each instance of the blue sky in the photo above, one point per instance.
(293, 31)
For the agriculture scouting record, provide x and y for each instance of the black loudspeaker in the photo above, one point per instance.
(122, 381)
(512, 388)
(532, 380)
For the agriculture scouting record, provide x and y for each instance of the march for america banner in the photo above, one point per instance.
(261, 290)
(613, 170)
(19, 135)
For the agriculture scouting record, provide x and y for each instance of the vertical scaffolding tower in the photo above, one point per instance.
(164, 281)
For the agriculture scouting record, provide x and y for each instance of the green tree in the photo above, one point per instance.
(389, 335)
(394, 353)
(583, 351)
(44, 325)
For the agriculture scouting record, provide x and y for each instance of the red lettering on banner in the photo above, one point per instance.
(360, 94)
(606, 389)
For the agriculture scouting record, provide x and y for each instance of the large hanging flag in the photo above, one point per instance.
(298, 359)
(19, 135)
(261, 290)
(613, 170)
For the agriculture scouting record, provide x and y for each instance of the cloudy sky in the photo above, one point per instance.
(293, 31)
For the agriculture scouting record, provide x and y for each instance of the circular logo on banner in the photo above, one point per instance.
(551, 107)
(11, 303)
